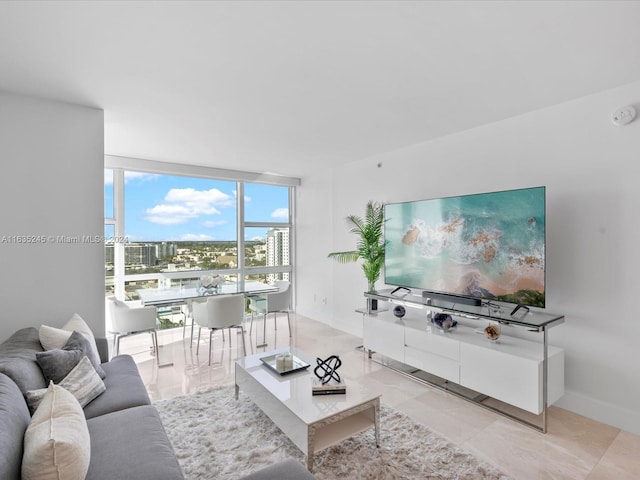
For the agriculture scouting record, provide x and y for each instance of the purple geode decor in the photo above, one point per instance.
(443, 321)
(399, 311)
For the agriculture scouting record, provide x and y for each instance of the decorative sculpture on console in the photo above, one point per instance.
(328, 381)
(328, 368)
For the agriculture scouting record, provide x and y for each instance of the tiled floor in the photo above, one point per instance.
(573, 448)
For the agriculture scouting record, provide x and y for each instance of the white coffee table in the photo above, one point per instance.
(313, 423)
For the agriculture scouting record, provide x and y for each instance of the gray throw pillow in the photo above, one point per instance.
(77, 341)
(56, 364)
(82, 381)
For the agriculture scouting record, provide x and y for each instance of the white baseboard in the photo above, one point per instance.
(614, 415)
(325, 316)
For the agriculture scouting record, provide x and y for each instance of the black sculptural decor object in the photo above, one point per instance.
(328, 380)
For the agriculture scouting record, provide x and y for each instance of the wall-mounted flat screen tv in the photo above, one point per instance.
(487, 246)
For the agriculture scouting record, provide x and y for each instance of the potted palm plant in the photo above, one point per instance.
(370, 244)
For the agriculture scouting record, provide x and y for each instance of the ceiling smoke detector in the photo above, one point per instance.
(623, 115)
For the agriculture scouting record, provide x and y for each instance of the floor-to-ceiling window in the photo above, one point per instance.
(267, 232)
(168, 225)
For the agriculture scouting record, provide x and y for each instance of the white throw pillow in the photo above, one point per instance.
(82, 382)
(79, 325)
(56, 443)
(52, 338)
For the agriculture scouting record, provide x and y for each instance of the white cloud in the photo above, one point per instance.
(170, 214)
(198, 197)
(139, 176)
(196, 237)
(184, 204)
(280, 213)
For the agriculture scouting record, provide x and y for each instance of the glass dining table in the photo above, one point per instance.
(185, 295)
(163, 297)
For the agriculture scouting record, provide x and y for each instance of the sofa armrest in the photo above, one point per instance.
(103, 349)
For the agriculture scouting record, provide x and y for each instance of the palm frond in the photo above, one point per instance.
(345, 257)
(370, 244)
(357, 224)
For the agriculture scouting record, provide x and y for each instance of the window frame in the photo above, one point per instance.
(119, 165)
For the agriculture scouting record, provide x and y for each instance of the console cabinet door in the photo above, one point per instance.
(433, 353)
(512, 379)
(385, 337)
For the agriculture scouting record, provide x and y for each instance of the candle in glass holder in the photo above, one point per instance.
(280, 363)
(288, 361)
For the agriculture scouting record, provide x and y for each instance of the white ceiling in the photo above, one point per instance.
(296, 87)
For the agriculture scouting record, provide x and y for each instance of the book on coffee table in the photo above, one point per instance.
(330, 388)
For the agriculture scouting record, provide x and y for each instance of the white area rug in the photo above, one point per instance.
(217, 437)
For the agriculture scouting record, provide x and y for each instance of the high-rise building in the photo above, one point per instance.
(165, 249)
(134, 254)
(140, 254)
(277, 252)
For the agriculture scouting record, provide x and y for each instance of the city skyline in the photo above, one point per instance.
(176, 208)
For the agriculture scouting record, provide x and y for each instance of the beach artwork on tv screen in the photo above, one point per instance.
(489, 245)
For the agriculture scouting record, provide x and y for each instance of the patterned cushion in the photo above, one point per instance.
(82, 382)
(56, 443)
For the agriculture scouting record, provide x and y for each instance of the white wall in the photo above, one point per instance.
(314, 281)
(589, 167)
(51, 184)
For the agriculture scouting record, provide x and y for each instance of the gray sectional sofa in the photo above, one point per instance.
(127, 439)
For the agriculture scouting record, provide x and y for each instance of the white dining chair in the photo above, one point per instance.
(276, 302)
(127, 320)
(217, 313)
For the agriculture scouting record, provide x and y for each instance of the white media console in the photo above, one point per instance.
(527, 374)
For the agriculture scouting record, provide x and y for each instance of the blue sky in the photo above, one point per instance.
(163, 207)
